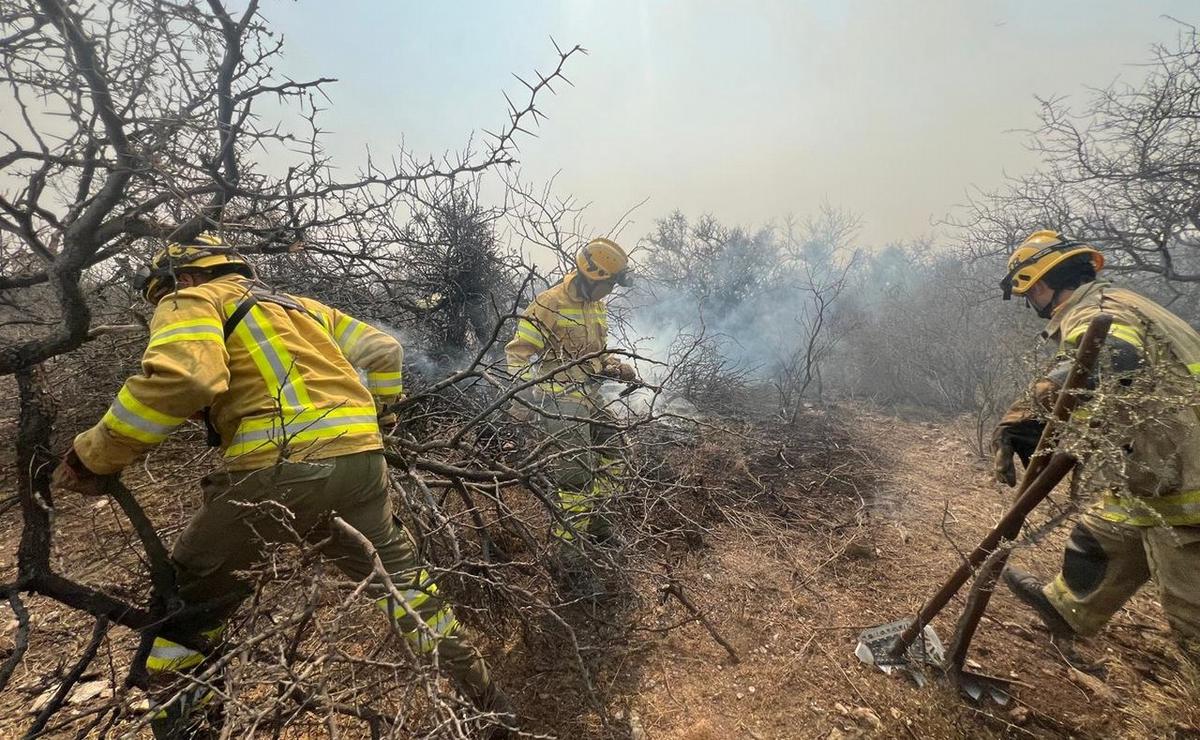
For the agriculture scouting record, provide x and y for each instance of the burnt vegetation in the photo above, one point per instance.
(132, 123)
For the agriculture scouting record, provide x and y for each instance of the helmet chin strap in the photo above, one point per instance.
(1046, 311)
(588, 288)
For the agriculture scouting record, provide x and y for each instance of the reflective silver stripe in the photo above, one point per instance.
(442, 627)
(348, 333)
(172, 652)
(153, 428)
(198, 329)
(287, 430)
(282, 374)
(444, 623)
(413, 599)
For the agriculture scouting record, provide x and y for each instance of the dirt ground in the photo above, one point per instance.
(793, 605)
(791, 599)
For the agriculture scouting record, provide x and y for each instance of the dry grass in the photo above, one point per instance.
(790, 540)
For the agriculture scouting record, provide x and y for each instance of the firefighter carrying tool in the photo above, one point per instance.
(275, 377)
(565, 329)
(1146, 475)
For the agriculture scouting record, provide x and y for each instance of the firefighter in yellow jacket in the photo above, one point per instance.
(1144, 463)
(564, 334)
(275, 378)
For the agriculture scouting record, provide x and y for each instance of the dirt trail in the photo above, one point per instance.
(793, 605)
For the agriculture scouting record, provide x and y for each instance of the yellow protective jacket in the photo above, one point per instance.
(283, 386)
(1154, 479)
(553, 331)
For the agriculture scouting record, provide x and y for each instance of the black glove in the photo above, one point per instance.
(1020, 439)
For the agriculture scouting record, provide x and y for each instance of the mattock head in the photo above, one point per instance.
(876, 646)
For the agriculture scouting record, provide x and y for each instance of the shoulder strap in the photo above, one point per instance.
(238, 314)
(235, 318)
(231, 324)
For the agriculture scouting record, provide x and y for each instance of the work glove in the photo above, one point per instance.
(386, 416)
(1019, 438)
(621, 371)
(1004, 470)
(72, 475)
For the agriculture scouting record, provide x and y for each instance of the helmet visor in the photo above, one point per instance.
(141, 279)
(1006, 286)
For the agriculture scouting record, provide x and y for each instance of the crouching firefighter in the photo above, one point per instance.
(1144, 463)
(275, 376)
(564, 332)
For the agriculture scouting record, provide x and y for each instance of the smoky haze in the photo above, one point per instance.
(747, 110)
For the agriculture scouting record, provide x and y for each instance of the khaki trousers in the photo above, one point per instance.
(244, 511)
(587, 464)
(1105, 563)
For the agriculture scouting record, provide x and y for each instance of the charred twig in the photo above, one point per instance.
(99, 630)
(20, 640)
(672, 588)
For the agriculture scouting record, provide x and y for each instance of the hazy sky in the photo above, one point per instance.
(747, 110)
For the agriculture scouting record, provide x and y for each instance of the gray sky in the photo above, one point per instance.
(747, 110)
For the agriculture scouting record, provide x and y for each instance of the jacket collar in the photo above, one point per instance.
(1054, 326)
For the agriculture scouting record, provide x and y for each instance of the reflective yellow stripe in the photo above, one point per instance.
(1124, 332)
(577, 316)
(385, 383)
(527, 331)
(201, 330)
(415, 596)
(570, 321)
(256, 433)
(273, 360)
(559, 389)
(607, 480)
(574, 311)
(324, 318)
(576, 508)
(1194, 368)
(131, 418)
(442, 624)
(1176, 510)
(191, 699)
(347, 333)
(574, 502)
(168, 655)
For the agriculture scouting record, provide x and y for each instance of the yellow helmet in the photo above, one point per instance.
(603, 259)
(1041, 252)
(204, 252)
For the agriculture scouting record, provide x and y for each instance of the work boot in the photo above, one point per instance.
(575, 576)
(474, 681)
(490, 700)
(1028, 589)
(502, 725)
